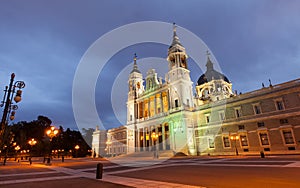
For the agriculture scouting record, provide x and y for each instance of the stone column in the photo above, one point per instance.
(163, 136)
(138, 140)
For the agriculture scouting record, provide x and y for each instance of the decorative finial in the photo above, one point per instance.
(134, 58)
(174, 28)
(207, 53)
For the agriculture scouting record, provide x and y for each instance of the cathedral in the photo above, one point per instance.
(166, 116)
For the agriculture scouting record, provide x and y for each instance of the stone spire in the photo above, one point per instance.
(175, 42)
(209, 64)
(135, 67)
(176, 53)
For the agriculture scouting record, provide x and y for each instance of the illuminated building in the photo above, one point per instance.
(99, 139)
(214, 121)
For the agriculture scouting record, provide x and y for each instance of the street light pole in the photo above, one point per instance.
(77, 148)
(17, 148)
(31, 142)
(8, 104)
(235, 138)
(52, 132)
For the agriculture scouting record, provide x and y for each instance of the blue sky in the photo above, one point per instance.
(43, 42)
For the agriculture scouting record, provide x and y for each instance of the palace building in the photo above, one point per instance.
(166, 116)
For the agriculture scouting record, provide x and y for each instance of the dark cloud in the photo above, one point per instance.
(43, 42)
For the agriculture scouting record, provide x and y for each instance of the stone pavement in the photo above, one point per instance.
(47, 175)
(77, 172)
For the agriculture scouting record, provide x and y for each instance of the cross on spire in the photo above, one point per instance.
(209, 64)
(135, 56)
(207, 53)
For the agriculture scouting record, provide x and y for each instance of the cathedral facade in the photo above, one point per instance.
(167, 116)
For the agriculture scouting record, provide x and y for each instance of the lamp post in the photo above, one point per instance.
(7, 102)
(77, 148)
(235, 138)
(31, 142)
(17, 148)
(154, 138)
(51, 132)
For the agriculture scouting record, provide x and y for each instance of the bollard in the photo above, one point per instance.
(99, 171)
(48, 160)
(30, 161)
(63, 159)
(262, 154)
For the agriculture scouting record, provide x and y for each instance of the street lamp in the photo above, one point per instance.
(7, 102)
(77, 148)
(235, 138)
(154, 138)
(51, 132)
(31, 142)
(17, 148)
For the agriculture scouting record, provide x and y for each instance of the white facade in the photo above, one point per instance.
(160, 115)
(166, 116)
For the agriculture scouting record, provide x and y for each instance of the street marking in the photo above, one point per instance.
(36, 179)
(295, 164)
(27, 173)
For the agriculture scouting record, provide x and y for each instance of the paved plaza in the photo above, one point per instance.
(210, 172)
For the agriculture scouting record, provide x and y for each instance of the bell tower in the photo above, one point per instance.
(179, 75)
(136, 88)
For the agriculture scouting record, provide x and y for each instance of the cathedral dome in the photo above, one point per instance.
(211, 74)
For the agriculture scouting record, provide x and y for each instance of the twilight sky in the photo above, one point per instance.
(42, 42)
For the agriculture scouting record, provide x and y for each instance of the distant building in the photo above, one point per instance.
(167, 116)
(99, 142)
(116, 143)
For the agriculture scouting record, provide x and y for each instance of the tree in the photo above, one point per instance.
(87, 135)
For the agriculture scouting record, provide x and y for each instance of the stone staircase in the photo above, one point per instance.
(144, 154)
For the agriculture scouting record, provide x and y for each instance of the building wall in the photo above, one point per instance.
(275, 123)
(116, 143)
(99, 143)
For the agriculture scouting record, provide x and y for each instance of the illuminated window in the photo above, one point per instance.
(244, 141)
(146, 103)
(288, 136)
(226, 141)
(264, 139)
(158, 103)
(152, 106)
(165, 101)
(211, 143)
